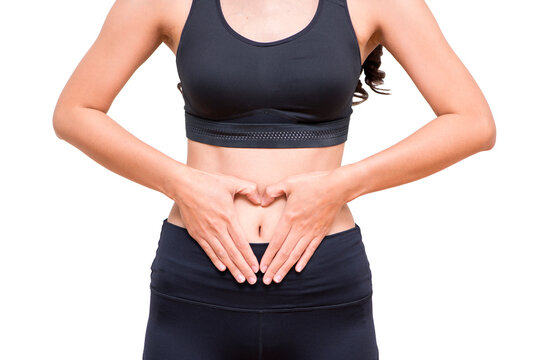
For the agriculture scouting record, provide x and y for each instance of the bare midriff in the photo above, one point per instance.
(264, 167)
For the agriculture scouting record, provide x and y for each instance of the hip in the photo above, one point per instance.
(337, 274)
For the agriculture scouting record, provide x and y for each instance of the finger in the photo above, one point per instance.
(249, 189)
(237, 258)
(308, 253)
(221, 253)
(280, 233)
(212, 255)
(274, 191)
(295, 254)
(237, 232)
(282, 255)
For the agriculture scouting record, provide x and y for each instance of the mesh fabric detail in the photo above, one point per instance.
(266, 135)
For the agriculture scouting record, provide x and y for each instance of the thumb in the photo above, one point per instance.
(249, 189)
(273, 191)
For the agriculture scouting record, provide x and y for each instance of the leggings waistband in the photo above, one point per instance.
(338, 273)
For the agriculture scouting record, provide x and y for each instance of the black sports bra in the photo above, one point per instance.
(289, 93)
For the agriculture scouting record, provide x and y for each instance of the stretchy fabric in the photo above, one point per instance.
(198, 312)
(292, 92)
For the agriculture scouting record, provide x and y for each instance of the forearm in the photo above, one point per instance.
(440, 143)
(105, 141)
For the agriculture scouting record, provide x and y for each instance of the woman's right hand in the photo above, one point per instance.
(206, 202)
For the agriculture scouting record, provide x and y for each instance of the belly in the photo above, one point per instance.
(264, 167)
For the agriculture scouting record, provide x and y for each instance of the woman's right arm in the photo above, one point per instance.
(132, 31)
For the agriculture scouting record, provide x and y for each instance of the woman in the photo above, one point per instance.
(268, 93)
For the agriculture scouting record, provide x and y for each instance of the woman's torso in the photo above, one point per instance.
(263, 166)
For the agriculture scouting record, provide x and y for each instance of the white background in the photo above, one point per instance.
(454, 256)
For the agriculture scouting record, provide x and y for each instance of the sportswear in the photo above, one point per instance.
(198, 312)
(288, 93)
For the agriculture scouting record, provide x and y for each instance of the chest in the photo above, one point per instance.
(314, 71)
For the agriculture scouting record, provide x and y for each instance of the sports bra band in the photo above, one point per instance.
(248, 133)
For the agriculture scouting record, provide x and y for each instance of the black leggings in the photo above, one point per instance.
(200, 313)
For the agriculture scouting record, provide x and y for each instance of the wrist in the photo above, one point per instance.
(178, 182)
(350, 180)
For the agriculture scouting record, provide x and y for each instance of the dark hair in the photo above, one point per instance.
(373, 76)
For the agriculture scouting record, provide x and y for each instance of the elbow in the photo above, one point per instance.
(489, 134)
(57, 127)
(482, 130)
(489, 143)
(59, 122)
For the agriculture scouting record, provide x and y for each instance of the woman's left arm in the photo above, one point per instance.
(464, 126)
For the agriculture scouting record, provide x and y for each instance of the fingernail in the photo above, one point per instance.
(299, 268)
(263, 268)
(277, 278)
(254, 267)
(221, 267)
(241, 278)
(252, 280)
(267, 280)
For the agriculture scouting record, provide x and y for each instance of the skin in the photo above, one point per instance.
(290, 198)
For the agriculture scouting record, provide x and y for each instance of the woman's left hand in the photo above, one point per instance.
(313, 201)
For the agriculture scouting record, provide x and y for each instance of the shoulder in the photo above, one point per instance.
(365, 16)
(147, 15)
(162, 15)
(392, 15)
(147, 10)
(172, 16)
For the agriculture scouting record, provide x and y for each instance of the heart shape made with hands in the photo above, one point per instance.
(269, 194)
(304, 186)
(280, 188)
